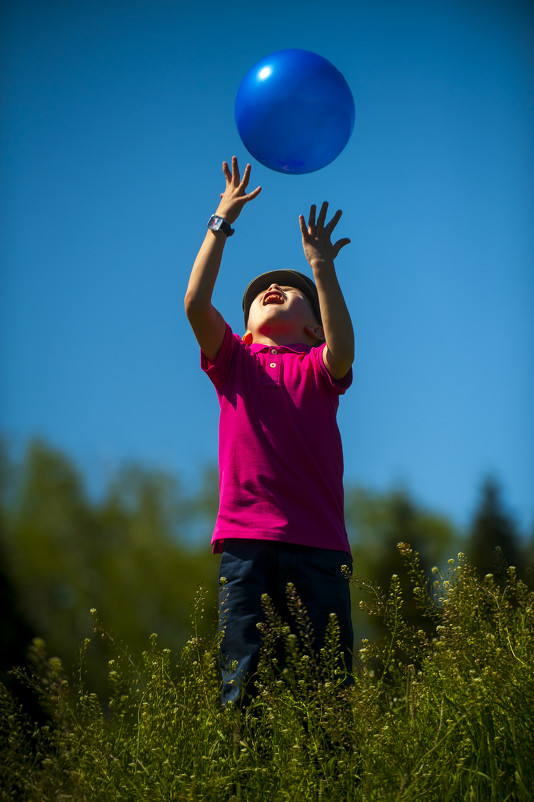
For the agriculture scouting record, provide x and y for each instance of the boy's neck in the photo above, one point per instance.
(282, 339)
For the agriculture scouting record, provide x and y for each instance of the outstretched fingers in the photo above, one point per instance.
(232, 174)
(246, 176)
(322, 214)
(320, 222)
(340, 244)
(235, 184)
(317, 234)
(303, 227)
(334, 221)
(235, 171)
(253, 194)
(311, 218)
(244, 183)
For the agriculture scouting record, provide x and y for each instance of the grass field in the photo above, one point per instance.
(445, 713)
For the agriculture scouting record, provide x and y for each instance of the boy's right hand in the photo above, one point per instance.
(235, 196)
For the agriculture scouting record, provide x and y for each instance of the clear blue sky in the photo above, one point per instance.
(115, 119)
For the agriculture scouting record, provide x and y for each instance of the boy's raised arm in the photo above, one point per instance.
(338, 354)
(207, 323)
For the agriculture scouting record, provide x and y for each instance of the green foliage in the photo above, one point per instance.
(453, 719)
(493, 541)
(127, 554)
(376, 523)
(139, 551)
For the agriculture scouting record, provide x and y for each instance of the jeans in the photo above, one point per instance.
(250, 568)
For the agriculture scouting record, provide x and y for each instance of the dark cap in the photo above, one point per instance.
(287, 278)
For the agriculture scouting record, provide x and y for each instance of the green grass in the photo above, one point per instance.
(444, 713)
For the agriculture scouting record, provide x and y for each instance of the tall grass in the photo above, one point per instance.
(441, 713)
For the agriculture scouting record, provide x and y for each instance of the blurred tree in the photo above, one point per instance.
(529, 560)
(493, 543)
(51, 527)
(15, 631)
(203, 504)
(376, 524)
(126, 555)
(146, 521)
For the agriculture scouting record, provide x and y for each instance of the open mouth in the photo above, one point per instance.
(273, 297)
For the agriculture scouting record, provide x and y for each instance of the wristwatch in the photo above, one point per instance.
(216, 223)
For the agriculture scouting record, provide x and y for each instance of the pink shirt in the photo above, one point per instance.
(280, 453)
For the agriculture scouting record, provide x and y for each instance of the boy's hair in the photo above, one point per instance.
(288, 278)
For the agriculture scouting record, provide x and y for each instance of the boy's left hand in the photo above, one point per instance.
(316, 236)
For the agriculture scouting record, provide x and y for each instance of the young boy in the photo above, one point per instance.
(280, 516)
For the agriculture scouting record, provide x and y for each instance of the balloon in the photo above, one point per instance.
(294, 111)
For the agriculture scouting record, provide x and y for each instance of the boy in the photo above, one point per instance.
(280, 516)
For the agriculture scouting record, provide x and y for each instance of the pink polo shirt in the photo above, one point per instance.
(280, 453)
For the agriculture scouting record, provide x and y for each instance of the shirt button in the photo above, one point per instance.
(274, 351)
(272, 365)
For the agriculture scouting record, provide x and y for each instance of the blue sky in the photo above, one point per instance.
(116, 118)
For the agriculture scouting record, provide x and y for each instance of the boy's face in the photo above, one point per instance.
(284, 315)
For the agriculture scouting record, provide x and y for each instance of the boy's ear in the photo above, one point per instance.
(315, 332)
(247, 337)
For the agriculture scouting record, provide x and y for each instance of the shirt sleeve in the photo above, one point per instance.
(335, 386)
(218, 370)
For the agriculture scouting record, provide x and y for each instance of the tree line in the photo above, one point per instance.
(139, 552)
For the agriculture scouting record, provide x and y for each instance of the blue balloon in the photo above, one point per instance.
(294, 111)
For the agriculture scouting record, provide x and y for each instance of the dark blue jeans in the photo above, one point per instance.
(250, 568)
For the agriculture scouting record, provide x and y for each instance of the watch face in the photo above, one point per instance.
(215, 223)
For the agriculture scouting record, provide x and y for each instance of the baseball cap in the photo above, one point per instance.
(287, 278)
